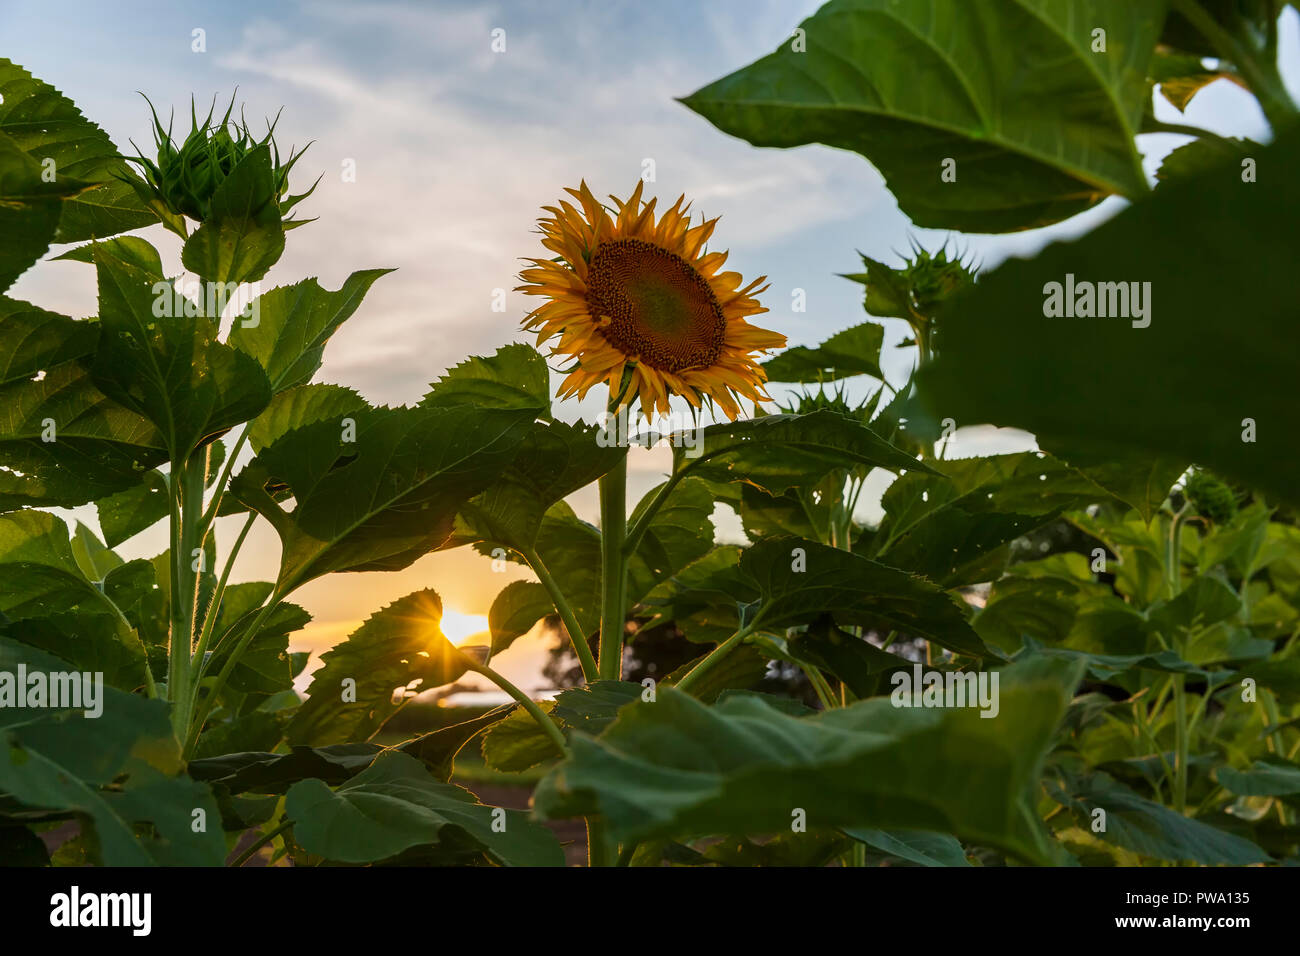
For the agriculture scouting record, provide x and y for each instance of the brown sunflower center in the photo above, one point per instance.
(659, 307)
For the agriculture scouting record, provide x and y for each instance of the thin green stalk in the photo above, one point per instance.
(262, 841)
(549, 727)
(195, 726)
(626, 852)
(613, 608)
(638, 528)
(1180, 744)
(598, 849)
(219, 489)
(210, 619)
(590, 670)
(820, 687)
(1174, 554)
(1139, 716)
(186, 500)
(713, 659)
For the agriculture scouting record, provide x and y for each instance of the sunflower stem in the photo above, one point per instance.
(613, 531)
(590, 670)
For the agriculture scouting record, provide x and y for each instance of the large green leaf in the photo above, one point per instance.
(1002, 360)
(854, 351)
(515, 376)
(295, 322)
(554, 460)
(1264, 779)
(779, 452)
(252, 772)
(953, 530)
(680, 532)
(169, 369)
(60, 760)
(914, 846)
(1151, 830)
(396, 805)
(705, 597)
(29, 210)
(677, 767)
(1040, 126)
(40, 573)
(62, 440)
(399, 647)
(33, 340)
(518, 743)
(44, 124)
(303, 405)
(385, 499)
(798, 588)
(517, 607)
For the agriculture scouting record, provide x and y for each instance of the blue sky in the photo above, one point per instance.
(456, 148)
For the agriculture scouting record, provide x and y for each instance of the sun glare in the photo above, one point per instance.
(460, 627)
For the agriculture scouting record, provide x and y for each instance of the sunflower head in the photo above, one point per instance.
(637, 303)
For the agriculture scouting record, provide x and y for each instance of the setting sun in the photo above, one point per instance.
(459, 627)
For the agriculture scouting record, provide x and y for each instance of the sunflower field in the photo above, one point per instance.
(1082, 654)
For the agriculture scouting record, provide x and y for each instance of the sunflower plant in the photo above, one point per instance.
(1129, 585)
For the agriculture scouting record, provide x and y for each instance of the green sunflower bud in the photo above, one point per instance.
(1211, 498)
(184, 178)
(915, 291)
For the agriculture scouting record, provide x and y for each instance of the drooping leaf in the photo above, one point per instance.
(274, 773)
(1004, 361)
(396, 805)
(41, 576)
(514, 611)
(677, 767)
(1151, 830)
(914, 846)
(705, 597)
(518, 743)
(779, 452)
(680, 532)
(1265, 779)
(383, 500)
(62, 760)
(554, 460)
(29, 210)
(1180, 76)
(1036, 137)
(798, 588)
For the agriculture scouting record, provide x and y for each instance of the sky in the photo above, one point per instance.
(457, 146)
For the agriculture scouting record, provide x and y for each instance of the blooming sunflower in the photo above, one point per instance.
(629, 293)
